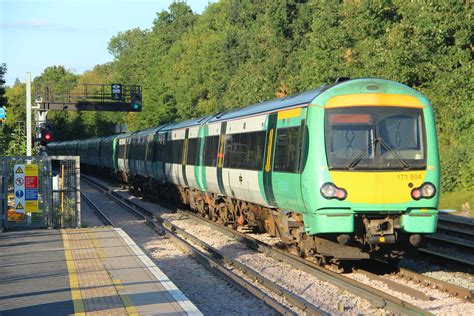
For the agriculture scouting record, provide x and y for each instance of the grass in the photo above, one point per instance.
(455, 200)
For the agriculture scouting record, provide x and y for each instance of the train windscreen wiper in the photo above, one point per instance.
(361, 154)
(394, 153)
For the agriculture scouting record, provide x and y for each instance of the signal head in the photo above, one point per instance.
(136, 102)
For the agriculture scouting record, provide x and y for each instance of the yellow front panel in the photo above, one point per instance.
(378, 187)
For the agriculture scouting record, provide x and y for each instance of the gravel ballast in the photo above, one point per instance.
(211, 294)
(319, 293)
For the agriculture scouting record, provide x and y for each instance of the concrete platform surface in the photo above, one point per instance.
(93, 271)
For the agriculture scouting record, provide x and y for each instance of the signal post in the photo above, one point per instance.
(115, 97)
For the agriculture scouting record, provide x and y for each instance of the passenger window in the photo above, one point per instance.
(192, 151)
(176, 151)
(244, 151)
(149, 149)
(288, 150)
(211, 145)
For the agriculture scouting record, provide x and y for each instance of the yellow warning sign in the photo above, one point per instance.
(19, 170)
(19, 206)
(31, 170)
(31, 206)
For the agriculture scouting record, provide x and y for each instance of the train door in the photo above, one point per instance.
(191, 156)
(243, 158)
(140, 162)
(287, 160)
(159, 156)
(174, 168)
(149, 148)
(127, 160)
(211, 157)
(121, 153)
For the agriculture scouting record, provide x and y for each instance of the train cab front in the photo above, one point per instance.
(379, 184)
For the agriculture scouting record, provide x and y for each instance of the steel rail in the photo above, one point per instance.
(451, 289)
(446, 239)
(376, 297)
(446, 257)
(449, 228)
(456, 224)
(451, 232)
(395, 285)
(457, 220)
(214, 260)
(97, 210)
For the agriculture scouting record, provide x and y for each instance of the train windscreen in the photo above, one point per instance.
(375, 137)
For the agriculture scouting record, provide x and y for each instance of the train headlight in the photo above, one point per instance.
(428, 190)
(331, 191)
(425, 191)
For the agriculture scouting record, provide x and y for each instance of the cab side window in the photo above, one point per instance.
(288, 149)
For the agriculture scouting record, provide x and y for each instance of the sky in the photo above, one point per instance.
(35, 34)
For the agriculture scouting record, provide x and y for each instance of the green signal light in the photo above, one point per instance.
(136, 106)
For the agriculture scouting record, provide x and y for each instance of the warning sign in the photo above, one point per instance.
(19, 187)
(31, 206)
(26, 188)
(31, 194)
(31, 182)
(31, 170)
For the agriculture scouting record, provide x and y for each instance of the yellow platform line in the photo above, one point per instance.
(126, 300)
(73, 279)
(97, 246)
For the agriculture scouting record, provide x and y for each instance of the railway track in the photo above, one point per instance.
(453, 242)
(211, 258)
(451, 289)
(376, 297)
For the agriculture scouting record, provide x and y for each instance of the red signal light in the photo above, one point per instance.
(48, 137)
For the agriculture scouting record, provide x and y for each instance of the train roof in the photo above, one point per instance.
(188, 123)
(271, 105)
(253, 109)
(151, 130)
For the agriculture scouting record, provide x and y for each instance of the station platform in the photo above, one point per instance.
(90, 271)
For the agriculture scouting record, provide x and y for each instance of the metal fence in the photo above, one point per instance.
(45, 194)
(66, 198)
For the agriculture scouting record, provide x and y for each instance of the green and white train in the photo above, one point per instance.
(343, 172)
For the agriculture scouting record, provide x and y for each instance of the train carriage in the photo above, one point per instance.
(345, 171)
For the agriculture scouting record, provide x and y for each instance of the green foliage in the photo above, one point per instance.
(60, 80)
(15, 141)
(12, 133)
(243, 51)
(462, 202)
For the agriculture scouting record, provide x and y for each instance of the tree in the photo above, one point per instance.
(60, 82)
(240, 52)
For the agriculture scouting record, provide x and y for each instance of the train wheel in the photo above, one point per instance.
(320, 260)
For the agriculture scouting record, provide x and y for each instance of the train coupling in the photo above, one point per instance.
(378, 240)
(380, 230)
